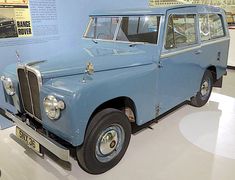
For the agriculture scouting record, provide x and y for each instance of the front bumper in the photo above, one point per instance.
(55, 148)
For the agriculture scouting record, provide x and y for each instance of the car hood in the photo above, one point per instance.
(103, 59)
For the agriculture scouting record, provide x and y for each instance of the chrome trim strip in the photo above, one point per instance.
(39, 78)
(116, 41)
(212, 41)
(169, 54)
(54, 147)
(37, 73)
(134, 42)
(166, 55)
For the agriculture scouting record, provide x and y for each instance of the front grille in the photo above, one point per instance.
(29, 81)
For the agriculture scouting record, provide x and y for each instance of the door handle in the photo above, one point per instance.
(198, 52)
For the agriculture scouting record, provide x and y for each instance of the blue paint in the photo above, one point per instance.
(122, 70)
(72, 21)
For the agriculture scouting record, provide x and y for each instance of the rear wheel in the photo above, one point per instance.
(106, 141)
(204, 92)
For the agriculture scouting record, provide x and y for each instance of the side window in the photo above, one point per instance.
(103, 27)
(139, 29)
(211, 26)
(217, 29)
(180, 31)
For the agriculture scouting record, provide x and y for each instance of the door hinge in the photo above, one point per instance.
(160, 64)
(158, 110)
(218, 56)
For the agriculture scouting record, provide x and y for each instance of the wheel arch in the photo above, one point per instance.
(213, 71)
(116, 103)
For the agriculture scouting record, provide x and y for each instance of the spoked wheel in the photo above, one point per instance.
(204, 92)
(106, 141)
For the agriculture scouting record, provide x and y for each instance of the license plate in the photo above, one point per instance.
(33, 144)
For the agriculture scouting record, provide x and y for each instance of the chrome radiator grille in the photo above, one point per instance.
(30, 81)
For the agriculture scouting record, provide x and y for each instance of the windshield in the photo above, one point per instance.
(131, 29)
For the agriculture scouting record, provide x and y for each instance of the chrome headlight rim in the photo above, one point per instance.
(8, 85)
(53, 107)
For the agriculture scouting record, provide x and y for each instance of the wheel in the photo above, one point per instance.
(204, 92)
(106, 141)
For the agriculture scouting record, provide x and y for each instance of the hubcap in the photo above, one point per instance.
(205, 88)
(110, 143)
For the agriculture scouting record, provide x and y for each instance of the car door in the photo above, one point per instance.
(180, 71)
(214, 39)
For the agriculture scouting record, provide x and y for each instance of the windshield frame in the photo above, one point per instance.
(118, 28)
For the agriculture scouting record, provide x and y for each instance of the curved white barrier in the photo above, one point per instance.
(212, 131)
(231, 57)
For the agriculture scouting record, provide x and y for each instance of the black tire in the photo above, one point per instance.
(204, 92)
(109, 130)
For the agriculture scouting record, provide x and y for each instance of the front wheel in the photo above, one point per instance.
(204, 92)
(106, 141)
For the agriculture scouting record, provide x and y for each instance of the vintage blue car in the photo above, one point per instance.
(135, 65)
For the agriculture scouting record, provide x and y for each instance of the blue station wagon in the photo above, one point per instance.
(135, 65)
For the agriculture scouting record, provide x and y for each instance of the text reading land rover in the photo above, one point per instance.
(135, 65)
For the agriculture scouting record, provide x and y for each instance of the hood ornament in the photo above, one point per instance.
(90, 68)
(89, 71)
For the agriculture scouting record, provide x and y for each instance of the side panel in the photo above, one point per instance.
(214, 49)
(180, 77)
(181, 70)
(81, 99)
(218, 56)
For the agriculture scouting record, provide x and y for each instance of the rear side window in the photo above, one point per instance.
(180, 31)
(211, 26)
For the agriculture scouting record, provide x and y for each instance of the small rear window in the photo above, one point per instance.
(211, 26)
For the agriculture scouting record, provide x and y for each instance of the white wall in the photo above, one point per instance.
(71, 21)
(231, 58)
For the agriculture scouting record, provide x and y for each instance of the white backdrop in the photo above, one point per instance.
(231, 59)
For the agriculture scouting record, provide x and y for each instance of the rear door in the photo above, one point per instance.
(180, 71)
(214, 40)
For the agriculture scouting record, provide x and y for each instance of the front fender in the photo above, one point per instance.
(81, 99)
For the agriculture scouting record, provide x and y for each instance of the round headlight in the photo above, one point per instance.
(53, 107)
(8, 85)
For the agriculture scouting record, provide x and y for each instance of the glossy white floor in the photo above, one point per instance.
(188, 144)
